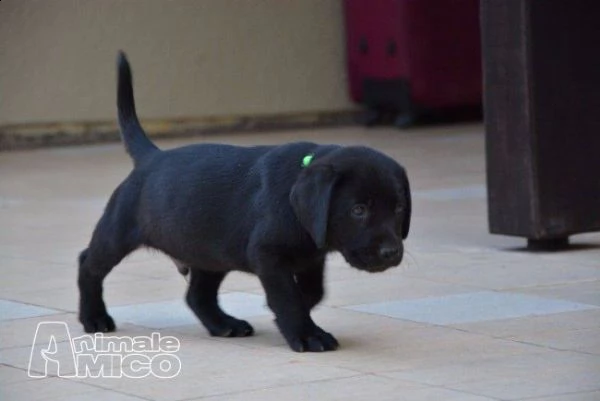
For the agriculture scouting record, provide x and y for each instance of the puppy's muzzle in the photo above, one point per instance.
(390, 254)
(377, 260)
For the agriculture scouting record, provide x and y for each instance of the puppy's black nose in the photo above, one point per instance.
(389, 252)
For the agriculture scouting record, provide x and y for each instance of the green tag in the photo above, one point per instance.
(307, 159)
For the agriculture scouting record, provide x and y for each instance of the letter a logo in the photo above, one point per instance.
(52, 352)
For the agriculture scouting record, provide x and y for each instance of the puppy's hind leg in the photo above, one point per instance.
(113, 238)
(202, 298)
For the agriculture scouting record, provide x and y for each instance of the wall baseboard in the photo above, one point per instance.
(40, 135)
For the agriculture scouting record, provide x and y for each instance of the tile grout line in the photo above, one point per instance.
(561, 394)
(451, 327)
(441, 386)
(112, 390)
(358, 374)
(32, 304)
(50, 377)
(543, 286)
(94, 386)
(523, 341)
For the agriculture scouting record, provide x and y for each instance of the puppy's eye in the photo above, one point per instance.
(359, 211)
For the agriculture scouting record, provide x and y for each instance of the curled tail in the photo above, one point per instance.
(136, 142)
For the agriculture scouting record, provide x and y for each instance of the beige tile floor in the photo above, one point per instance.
(469, 316)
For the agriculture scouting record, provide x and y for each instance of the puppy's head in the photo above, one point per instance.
(356, 201)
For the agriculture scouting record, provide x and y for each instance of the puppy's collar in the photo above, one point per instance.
(307, 159)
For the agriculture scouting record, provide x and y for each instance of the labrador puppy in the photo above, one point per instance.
(274, 211)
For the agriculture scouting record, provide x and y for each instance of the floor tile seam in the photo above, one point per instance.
(425, 324)
(490, 290)
(3, 298)
(24, 292)
(483, 335)
(349, 306)
(283, 386)
(51, 376)
(52, 262)
(485, 359)
(444, 387)
(506, 288)
(109, 334)
(8, 365)
(119, 333)
(17, 347)
(440, 281)
(511, 399)
(558, 395)
(524, 342)
(422, 325)
(557, 330)
(111, 389)
(551, 285)
(403, 274)
(462, 382)
(182, 299)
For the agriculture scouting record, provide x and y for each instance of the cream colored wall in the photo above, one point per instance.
(191, 58)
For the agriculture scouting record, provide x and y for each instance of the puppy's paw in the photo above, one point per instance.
(101, 324)
(232, 327)
(318, 340)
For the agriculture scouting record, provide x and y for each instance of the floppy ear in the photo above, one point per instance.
(310, 197)
(408, 205)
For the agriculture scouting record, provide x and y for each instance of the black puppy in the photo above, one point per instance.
(274, 211)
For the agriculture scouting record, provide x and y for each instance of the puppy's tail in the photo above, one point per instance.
(136, 142)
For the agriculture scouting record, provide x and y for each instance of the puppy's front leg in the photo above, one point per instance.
(292, 315)
(310, 283)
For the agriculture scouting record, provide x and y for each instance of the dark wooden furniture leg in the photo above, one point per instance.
(542, 118)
